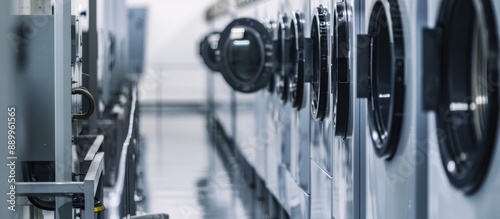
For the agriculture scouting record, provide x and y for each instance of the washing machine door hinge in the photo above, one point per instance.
(308, 59)
(431, 69)
(363, 65)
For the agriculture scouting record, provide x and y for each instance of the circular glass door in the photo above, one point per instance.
(467, 104)
(385, 77)
(246, 55)
(209, 50)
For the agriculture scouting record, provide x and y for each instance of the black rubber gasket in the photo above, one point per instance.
(320, 66)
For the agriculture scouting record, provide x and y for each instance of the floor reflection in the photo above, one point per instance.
(183, 174)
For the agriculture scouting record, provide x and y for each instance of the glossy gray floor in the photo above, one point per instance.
(183, 175)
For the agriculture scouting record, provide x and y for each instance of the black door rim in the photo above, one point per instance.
(265, 70)
(468, 111)
(387, 77)
(320, 66)
(341, 47)
(209, 54)
(297, 62)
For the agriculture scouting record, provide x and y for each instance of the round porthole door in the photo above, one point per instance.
(381, 76)
(341, 70)
(209, 50)
(282, 58)
(461, 86)
(296, 58)
(246, 55)
(320, 34)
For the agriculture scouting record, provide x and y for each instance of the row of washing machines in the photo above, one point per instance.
(362, 108)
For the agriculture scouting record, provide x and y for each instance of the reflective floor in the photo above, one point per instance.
(183, 174)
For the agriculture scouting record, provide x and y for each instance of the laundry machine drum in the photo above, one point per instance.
(209, 50)
(320, 65)
(385, 72)
(464, 82)
(246, 55)
(297, 60)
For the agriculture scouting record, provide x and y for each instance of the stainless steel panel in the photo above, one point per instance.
(261, 134)
(322, 131)
(299, 202)
(348, 159)
(285, 134)
(393, 187)
(35, 87)
(62, 102)
(300, 163)
(300, 148)
(321, 192)
(251, 132)
(273, 161)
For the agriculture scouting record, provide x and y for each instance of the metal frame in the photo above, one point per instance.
(62, 92)
(94, 148)
(62, 189)
(93, 163)
(89, 187)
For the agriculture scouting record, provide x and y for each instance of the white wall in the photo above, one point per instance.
(174, 30)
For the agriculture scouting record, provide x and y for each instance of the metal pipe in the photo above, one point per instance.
(62, 103)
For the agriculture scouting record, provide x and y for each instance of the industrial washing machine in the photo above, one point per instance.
(298, 95)
(248, 63)
(321, 122)
(388, 80)
(461, 90)
(335, 154)
(251, 109)
(209, 50)
(277, 132)
(292, 91)
(347, 181)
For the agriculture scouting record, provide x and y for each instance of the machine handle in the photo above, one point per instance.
(85, 93)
